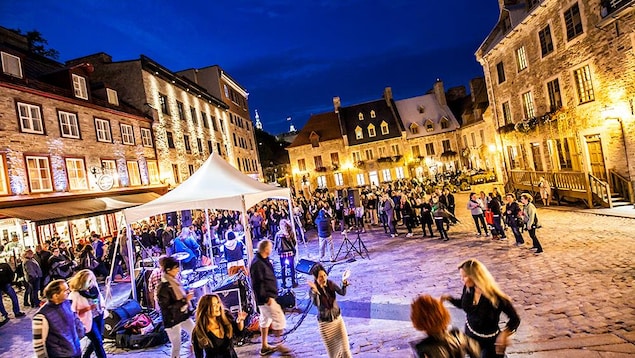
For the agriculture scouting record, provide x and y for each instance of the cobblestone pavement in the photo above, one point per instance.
(575, 299)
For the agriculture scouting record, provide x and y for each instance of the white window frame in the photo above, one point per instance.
(321, 181)
(146, 137)
(154, 176)
(127, 134)
(361, 179)
(79, 86)
(134, 174)
(359, 133)
(76, 171)
(40, 174)
(6, 65)
(360, 116)
(429, 126)
(103, 131)
(339, 179)
(399, 174)
(31, 117)
(521, 59)
(113, 98)
(69, 125)
(109, 167)
(373, 114)
(4, 180)
(370, 155)
(395, 149)
(385, 173)
(384, 128)
(382, 152)
(371, 131)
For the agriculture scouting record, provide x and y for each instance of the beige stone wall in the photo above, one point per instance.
(606, 46)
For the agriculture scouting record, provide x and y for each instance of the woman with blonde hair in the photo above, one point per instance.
(429, 315)
(215, 329)
(89, 304)
(483, 302)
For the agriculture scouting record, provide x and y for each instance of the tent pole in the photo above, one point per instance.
(209, 235)
(248, 240)
(131, 258)
(292, 220)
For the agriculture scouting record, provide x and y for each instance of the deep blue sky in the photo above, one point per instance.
(292, 56)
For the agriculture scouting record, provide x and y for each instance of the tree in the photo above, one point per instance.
(37, 44)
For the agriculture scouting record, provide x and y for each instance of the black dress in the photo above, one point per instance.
(220, 347)
(453, 344)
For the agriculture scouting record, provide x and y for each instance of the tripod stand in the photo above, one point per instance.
(350, 246)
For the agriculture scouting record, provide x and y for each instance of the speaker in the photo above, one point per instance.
(235, 292)
(305, 266)
(186, 218)
(354, 198)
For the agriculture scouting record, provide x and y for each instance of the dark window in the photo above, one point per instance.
(190, 167)
(204, 120)
(564, 154)
(210, 147)
(573, 21)
(199, 144)
(555, 100)
(335, 159)
(430, 148)
(218, 148)
(445, 124)
(500, 70)
(446, 145)
(175, 172)
(546, 42)
(163, 100)
(235, 143)
(301, 165)
(179, 107)
(318, 161)
(415, 151)
(170, 140)
(213, 119)
(193, 113)
(507, 114)
(186, 141)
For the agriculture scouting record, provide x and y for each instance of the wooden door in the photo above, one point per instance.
(596, 157)
(535, 153)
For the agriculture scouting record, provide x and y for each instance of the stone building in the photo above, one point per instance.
(71, 148)
(239, 133)
(561, 83)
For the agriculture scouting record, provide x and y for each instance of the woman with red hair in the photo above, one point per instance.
(430, 316)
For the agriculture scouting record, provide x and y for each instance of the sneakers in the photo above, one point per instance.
(392, 235)
(20, 314)
(487, 234)
(538, 252)
(479, 234)
(267, 351)
(409, 234)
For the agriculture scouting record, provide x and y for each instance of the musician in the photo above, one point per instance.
(185, 243)
(234, 251)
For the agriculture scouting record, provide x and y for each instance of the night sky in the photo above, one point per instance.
(292, 56)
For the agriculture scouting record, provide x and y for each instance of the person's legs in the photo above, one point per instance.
(478, 227)
(294, 282)
(329, 241)
(322, 244)
(517, 235)
(27, 294)
(481, 218)
(14, 300)
(35, 299)
(96, 339)
(174, 335)
(534, 239)
(3, 310)
(408, 222)
(441, 229)
(499, 227)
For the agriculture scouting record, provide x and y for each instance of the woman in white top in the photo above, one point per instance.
(89, 304)
(545, 191)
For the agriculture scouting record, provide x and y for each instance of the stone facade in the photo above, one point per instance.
(561, 82)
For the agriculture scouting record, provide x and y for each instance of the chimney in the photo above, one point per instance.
(439, 92)
(337, 104)
(14, 39)
(455, 93)
(388, 96)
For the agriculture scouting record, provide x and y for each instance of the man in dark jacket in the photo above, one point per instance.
(265, 288)
(512, 209)
(324, 230)
(6, 278)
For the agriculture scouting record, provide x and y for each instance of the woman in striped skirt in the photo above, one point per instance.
(330, 323)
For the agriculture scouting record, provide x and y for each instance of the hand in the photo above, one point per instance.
(241, 316)
(189, 296)
(270, 301)
(501, 342)
(312, 285)
(345, 283)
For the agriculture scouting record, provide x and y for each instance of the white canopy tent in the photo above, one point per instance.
(215, 185)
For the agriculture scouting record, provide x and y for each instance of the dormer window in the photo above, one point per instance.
(79, 86)
(11, 65)
(371, 130)
(445, 123)
(359, 133)
(361, 116)
(414, 128)
(421, 109)
(112, 96)
(315, 139)
(384, 128)
(372, 114)
(429, 126)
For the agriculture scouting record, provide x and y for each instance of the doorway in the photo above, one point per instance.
(374, 178)
(596, 157)
(535, 153)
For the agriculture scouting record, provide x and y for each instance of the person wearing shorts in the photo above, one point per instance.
(265, 288)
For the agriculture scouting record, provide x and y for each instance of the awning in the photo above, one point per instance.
(77, 209)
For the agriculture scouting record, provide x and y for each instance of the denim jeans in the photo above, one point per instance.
(498, 226)
(517, 234)
(96, 338)
(31, 293)
(480, 218)
(8, 289)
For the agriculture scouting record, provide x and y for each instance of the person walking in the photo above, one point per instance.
(430, 316)
(449, 198)
(33, 277)
(439, 214)
(6, 278)
(330, 323)
(407, 213)
(175, 304)
(56, 328)
(215, 329)
(89, 305)
(483, 302)
(512, 212)
(389, 211)
(531, 220)
(426, 215)
(476, 206)
(265, 288)
(325, 234)
(286, 244)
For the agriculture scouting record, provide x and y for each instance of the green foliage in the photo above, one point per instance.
(38, 44)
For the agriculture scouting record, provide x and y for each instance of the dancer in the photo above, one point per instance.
(483, 302)
(330, 323)
(89, 305)
(215, 329)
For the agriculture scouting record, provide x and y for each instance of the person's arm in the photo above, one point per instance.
(167, 300)
(40, 333)
(531, 215)
(341, 290)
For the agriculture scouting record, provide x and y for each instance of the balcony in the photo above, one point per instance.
(609, 7)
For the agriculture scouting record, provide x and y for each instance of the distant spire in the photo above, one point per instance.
(258, 122)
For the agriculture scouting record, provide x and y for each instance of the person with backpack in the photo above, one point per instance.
(531, 220)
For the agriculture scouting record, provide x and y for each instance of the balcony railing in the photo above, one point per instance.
(621, 186)
(564, 184)
(608, 7)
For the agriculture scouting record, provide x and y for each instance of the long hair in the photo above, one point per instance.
(483, 279)
(82, 281)
(204, 313)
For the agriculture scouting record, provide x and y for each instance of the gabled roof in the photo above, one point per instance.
(516, 13)
(410, 111)
(325, 125)
(349, 117)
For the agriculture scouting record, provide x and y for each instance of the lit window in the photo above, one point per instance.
(385, 173)
(153, 172)
(359, 134)
(68, 124)
(339, 179)
(321, 181)
(361, 116)
(373, 114)
(109, 167)
(102, 127)
(4, 182)
(384, 128)
(146, 137)
(429, 148)
(528, 105)
(133, 173)
(112, 96)
(30, 118)
(371, 130)
(399, 173)
(79, 86)
(163, 101)
(395, 149)
(507, 113)
(445, 123)
(186, 141)
(573, 22)
(429, 126)
(181, 111)
(39, 173)
(226, 90)
(361, 179)
(11, 65)
(357, 157)
(584, 85)
(76, 174)
(521, 58)
(127, 134)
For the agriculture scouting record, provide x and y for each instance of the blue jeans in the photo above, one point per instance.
(517, 234)
(96, 338)
(8, 289)
(498, 226)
